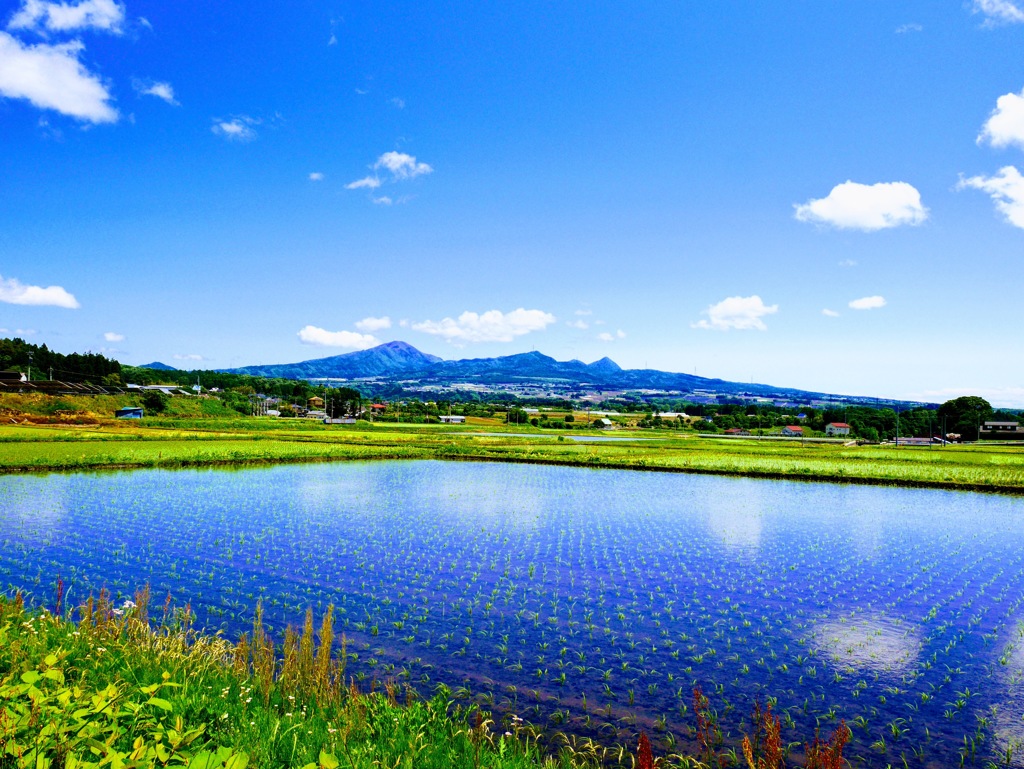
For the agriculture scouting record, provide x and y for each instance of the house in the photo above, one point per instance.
(11, 376)
(603, 423)
(793, 431)
(1001, 431)
(378, 407)
(129, 412)
(452, 419)
(314, 403)
(837, 428)
(736, 431)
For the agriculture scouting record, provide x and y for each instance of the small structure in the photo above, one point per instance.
(837, 428)
(129, 412)
(452, 419)
(1001, 431)
(315, 403)
(378, 407)
(737, 431)
(793, 431)
(603, 423)
(11, 376)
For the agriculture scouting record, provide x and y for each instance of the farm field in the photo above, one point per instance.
(179, 443)
(588, 602)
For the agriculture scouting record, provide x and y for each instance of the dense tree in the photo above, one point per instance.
(77, 367)
(965, 415)
(155, 401)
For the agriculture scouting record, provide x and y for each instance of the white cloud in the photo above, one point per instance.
(383, 200)
(52, 77)
(188, 356)
(237, 129)
(13, 291)
(103, 15)
(847, 262)
(19, 331)
(367, 182)
(580, 324)
(904, 28)
(316, 176)
(742, 313)
(606, 336)
(349, 339)
(1007, 190)
(999, 12)
(583, 313)
(491, 326)
(830, 313)
(397, 103)
(867, 303)
(1005, 126)
(113, 336)
(158, 89)
(402, 166)
(866, 207)
(374, 324)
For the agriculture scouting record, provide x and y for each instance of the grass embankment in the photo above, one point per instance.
(240, 441)
(95, 409)
(112, 690)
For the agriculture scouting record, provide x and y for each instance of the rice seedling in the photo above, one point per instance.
(839, 602)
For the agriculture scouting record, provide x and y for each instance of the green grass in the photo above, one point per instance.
(234, 440)
(113, 691)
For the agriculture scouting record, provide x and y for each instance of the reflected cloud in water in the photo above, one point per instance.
(868, 643)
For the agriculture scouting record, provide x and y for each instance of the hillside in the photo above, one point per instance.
(388, 359)
(402, 361)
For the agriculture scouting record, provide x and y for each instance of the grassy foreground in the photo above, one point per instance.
(239, 441)
(111, 690)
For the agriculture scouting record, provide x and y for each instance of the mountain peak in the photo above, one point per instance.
(605, 365)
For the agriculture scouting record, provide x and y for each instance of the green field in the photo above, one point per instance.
(196, 442)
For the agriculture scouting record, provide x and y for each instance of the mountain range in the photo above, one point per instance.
(400, 361)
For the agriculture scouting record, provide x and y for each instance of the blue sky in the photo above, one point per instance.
(680, 185)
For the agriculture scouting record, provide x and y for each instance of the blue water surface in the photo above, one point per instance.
(587, 601)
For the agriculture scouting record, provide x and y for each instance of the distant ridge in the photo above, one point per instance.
(387, 359)
(401, 361)
(158, 366)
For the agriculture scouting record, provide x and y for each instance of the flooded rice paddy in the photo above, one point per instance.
(585, 601)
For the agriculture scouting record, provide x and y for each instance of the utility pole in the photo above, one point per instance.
(29, 377)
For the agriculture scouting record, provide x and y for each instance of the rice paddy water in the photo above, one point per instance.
(588, 602)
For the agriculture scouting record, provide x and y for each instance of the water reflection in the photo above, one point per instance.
(868, 643)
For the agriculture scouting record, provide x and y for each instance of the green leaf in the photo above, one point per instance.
(204, 760)
(237, 761)
(30, 677)
(161, 703)
(54, 675)
(51, 660)
(328, 761)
